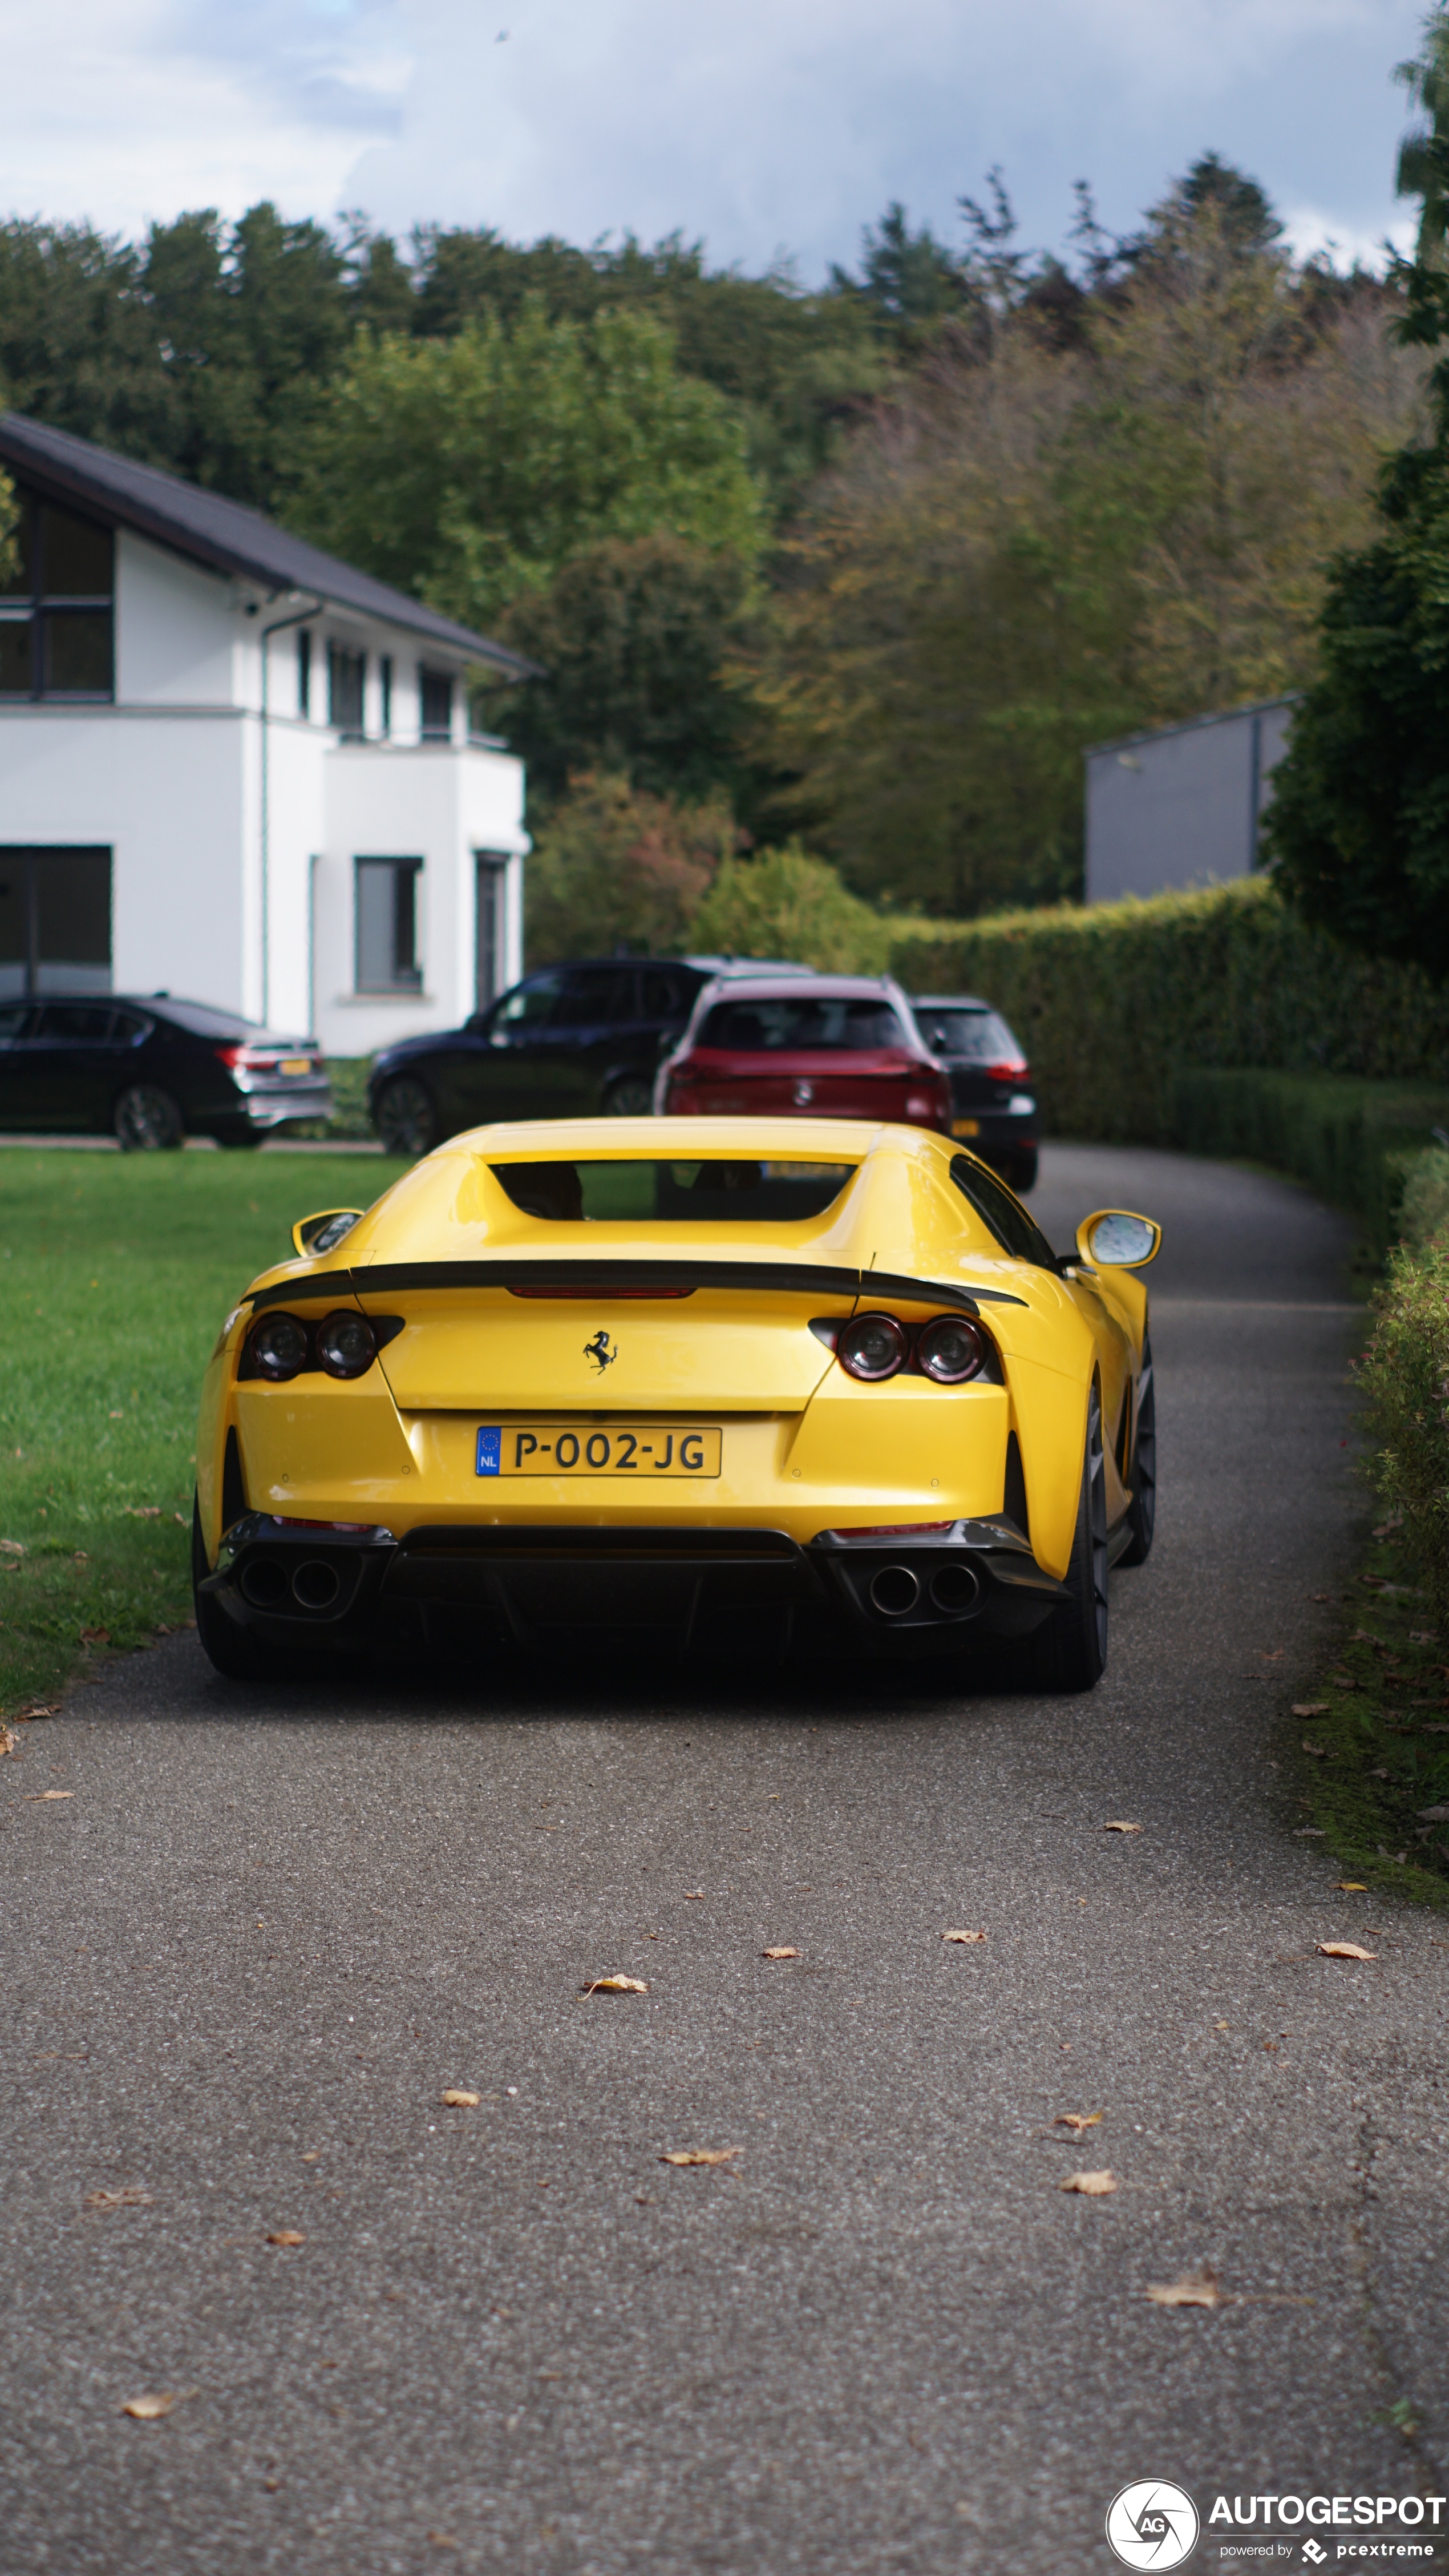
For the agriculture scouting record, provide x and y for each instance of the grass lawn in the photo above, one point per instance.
(116, 1271)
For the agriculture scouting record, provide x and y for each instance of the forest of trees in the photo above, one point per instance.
(866, 565)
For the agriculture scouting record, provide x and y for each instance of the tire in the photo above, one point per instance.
(1069, 1651)
(1021, 1173)
(226, 1646)
(632, 1096)
(1142, 1518)
(147, 1121)
(405, 1117)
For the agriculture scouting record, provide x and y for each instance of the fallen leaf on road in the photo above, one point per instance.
(286, 2236)
(9, 1741)
(38, 1797)
(311, 2155)
(146, 2409)
(694, 1896)
(1077, 2121)
(1351, 1886)
(457, 2100)
(1116, 1828)
(616, 1986)
(443, 2540)
(130, 2196)
(1220, 2025)
(780, 1954)
(95, 1636)
(1432, 1815)
(963, 1936)
(1343, 1950)
(701, 2155)
(1311, 1707)
(1320, 1751)
(1093, 2185)
(1194, 2290)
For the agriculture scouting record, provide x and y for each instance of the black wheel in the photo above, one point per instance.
(1142, 1517)
(1021, 1173)
(225, 1645)
(1069, 1651)
(405, 1117)
(632, 1096)
(147, 1121)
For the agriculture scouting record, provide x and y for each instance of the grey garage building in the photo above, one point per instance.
(1181, 806)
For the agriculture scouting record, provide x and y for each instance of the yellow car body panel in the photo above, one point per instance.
(503, 1318)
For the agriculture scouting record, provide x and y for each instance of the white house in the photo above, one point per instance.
(235, 769)
(1182, 806)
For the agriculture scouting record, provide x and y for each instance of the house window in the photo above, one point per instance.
(435, 692)
(304, 671)
(346, 679)
(56, 622)
(55, 921)
(387, 926)
(488, 952)
(384, 690)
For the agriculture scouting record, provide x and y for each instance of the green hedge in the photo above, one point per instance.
(1405, 1375)
(1355, 1143)
(1111, 1001)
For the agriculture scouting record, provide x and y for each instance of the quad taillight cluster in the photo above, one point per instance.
(343, 1345)
(950, 1349)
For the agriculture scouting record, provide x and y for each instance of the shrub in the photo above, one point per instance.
(613, 868)
(1405, 1375)
(1424, 1206)
(786, 904)
(1112, 1000)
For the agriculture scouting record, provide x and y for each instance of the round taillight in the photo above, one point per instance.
(346, 1344)
(279, 1346)
(951, 1350)
(873, 1347)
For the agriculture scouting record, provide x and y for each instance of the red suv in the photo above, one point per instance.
(837, 1046)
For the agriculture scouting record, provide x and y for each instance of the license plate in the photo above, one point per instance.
(965, 1126)
(295, 1064)
(552, 1449)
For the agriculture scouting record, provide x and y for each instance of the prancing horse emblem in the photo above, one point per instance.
(599, 1351)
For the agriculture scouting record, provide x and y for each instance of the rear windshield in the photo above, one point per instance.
(704, 1193)
(973, 1037)
(204, 1022)
(800, 1025)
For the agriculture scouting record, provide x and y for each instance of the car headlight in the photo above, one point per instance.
(951, 1350)
(346, 1344)
(278, 1346)
(873, 1347)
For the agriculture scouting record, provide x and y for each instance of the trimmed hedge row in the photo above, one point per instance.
(1356, 1143)
(1113, 1000)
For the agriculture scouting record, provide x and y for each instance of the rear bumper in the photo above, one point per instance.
(285, 1106)
(995, 1133)
(292, 1585)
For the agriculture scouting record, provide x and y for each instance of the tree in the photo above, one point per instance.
(784, 903)
(615, 869)
(633, 636)
(469, 470)
(1423, 170)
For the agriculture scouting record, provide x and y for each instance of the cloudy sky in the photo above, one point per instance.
(763, 125)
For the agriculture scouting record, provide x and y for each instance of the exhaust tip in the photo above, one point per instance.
(316, 1584)
(894, 1591)
(263, 1583)
(955, 1588)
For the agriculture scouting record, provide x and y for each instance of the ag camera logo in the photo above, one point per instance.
(1152, 2524)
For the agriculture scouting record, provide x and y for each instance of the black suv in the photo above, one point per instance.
(578, 1041)
(993, 1105)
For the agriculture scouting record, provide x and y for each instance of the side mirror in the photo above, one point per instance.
(323, 1232)
(1113, 1239)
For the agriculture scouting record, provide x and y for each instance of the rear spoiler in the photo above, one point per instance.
(585, 1278)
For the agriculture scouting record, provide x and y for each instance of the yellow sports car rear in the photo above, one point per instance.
(714, 1380)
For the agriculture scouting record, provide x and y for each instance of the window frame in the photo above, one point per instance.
(406, 871)
(41, 611)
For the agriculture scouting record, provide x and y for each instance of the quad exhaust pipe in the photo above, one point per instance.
(953, 1589)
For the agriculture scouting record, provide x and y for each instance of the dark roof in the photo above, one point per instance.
(223, 535)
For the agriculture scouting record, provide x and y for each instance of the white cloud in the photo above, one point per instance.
(761, 124)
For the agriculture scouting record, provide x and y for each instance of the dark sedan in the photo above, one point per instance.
(993, 1105)
(579, 1041)
(152, 1072)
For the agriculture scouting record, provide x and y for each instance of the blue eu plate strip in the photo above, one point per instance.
(490, 1448)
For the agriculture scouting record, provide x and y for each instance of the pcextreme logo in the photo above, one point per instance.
(1152, 2524)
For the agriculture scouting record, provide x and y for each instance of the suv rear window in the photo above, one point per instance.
(702, 1193)
(972, 1037)
(804, 1026)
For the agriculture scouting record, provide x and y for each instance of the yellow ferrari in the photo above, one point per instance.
(715, 1380)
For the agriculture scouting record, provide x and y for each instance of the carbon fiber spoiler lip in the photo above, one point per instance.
(807, 1279)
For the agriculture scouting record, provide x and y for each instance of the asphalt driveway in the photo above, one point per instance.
(259, 1933)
